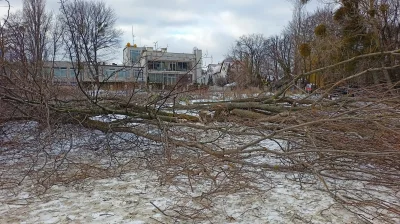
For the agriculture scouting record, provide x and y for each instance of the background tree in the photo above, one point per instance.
(362, 26)
(251, 50)
(280, 55)
(28, 43)
(37, 23)
(31, 27)
(91, 37)
(296, 29)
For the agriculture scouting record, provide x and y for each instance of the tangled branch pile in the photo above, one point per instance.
(348, 146)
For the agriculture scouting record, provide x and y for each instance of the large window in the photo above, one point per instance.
(109, 73)
(155, 77)
(135, 56)
(166, 79)
(155, 65)
(170, 79)
(138, 75)
(60, 72)
(172, 66)
(163, 65)
(182, 66)
(123, 75)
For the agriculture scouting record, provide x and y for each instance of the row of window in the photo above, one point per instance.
(119, 75)
(109, 74)
(166, 79)
(60, 72)
(168, 66)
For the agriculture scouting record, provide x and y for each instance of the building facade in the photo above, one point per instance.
(67, 73)
(141, 65)
(163, 67)
(216, 71)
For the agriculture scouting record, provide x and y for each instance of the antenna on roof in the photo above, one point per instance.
(155, 45)
(133, 37)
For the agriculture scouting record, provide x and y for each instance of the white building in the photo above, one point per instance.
(67, 73)
(132, 55)
(216, 71)
(140, 65)
(163, 67)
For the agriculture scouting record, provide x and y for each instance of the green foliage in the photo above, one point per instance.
(384, 8)
(304, 50)
(372, 12)
(356, 37)
(320, 30)
(340, 14)
(350, 4)
(369, 42)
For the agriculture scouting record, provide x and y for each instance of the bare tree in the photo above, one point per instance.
(31, 28)
(27, 35)
(37, 23)
(91, 37)
(251, 50)
(280, 56)
(295, 27)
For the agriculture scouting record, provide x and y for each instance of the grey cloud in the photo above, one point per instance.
(126, 20)
(207, 24)
(177, 23)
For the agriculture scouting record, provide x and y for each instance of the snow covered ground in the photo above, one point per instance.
(130, 199)
(139, 196)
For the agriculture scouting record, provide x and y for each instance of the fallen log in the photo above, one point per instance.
(248, 114)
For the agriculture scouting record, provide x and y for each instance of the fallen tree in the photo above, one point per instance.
(347, 147)
(344, 142)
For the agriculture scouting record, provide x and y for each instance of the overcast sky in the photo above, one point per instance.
(180, 25)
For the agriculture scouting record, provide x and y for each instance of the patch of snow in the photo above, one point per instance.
(109, 117)
(194, 113)
(231, 84)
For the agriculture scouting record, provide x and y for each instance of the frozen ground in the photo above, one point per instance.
(129, 200)
(137, 197)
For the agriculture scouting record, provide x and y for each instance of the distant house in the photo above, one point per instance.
(219, 71)
(140, 65)
(163, 67)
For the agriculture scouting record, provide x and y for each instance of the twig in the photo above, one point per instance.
(159, 209)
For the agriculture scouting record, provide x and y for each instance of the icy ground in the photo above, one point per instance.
(137, 197)
(129, 200)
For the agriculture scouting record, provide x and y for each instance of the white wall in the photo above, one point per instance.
(199, 63)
